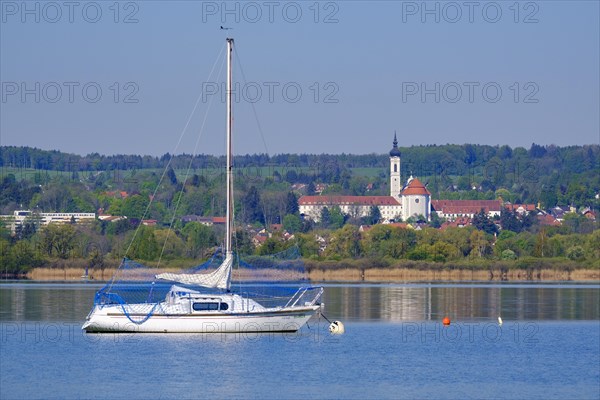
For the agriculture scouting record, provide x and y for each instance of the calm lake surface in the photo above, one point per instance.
(394, 347)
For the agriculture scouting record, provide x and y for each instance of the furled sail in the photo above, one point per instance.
(219, 278)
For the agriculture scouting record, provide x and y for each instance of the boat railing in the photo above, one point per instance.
(303, 292)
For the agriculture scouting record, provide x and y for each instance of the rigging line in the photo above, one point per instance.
(189, 168)
(169, 162)
(262, 135)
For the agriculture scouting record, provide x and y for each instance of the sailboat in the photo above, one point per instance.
(201, 302)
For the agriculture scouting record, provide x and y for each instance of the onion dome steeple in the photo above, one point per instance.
(395, 152)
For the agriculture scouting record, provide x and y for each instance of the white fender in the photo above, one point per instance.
(336, 328)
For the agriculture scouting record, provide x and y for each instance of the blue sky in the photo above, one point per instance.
(333, 76)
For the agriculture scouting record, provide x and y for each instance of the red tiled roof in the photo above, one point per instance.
(548, 219)
(465, 206)
(348, 200)
(459, 222)
(416, 187)
(515, 207)
(398, 225)
(218, 220)
(261, 238)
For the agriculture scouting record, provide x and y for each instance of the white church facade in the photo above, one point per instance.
(412, 200)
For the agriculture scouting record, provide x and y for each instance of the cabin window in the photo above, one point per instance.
(224, 306)
(205, 306)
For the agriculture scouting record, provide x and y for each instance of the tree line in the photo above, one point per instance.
(101, 243)
(551, 175)
(137, 187)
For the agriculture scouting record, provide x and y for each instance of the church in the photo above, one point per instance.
(404, 202)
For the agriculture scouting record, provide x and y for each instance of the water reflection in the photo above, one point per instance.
(45, 302)
(466, 302)
(72, 302)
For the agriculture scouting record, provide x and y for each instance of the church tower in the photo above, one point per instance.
(395, 182)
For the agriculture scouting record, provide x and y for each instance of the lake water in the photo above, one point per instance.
(394, 347)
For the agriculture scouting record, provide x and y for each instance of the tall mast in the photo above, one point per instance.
(229, 213)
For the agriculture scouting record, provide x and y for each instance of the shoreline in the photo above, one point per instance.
(356, 275)
(393, 275)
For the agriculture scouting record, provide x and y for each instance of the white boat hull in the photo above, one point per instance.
(112, 319)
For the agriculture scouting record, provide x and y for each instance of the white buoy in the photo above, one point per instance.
(336, 328)
(500, 321)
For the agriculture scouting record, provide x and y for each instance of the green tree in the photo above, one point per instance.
(23, 256)
(460, 238)
(344, 243)
(509, 221)
(421, 252)
(242, 243)
(291, 205)
(325, 219)
(541, 248)
(438, 252)
(504, 195)
(271, 246)
(143, 245)
(6, 261)
(386, 241)
(374, 242)
(292, 223)
(479, 244)
(442, 251)
(578, 223)
(482, 222)
(172, 177)
(308, 244)
(118, 227)
(97, 261)
(252, 208)
(171, 246)
(135, 206)
(58, 239)
(436, 221)
(592, 246)
(337, 218)
(508, 254)
(464, 183)
(374, 215)
(575, 253)
(198, 239)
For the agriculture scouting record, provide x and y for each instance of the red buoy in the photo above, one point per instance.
(446, 321)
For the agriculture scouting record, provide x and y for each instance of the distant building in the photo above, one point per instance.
(460, 222)
(521, 209)
(19, 217)
(453, 209)
(416, 200)
(589, 214)
(208, 221)
(411, 201)
(354, 206)
(559, 212)
(548, 220)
